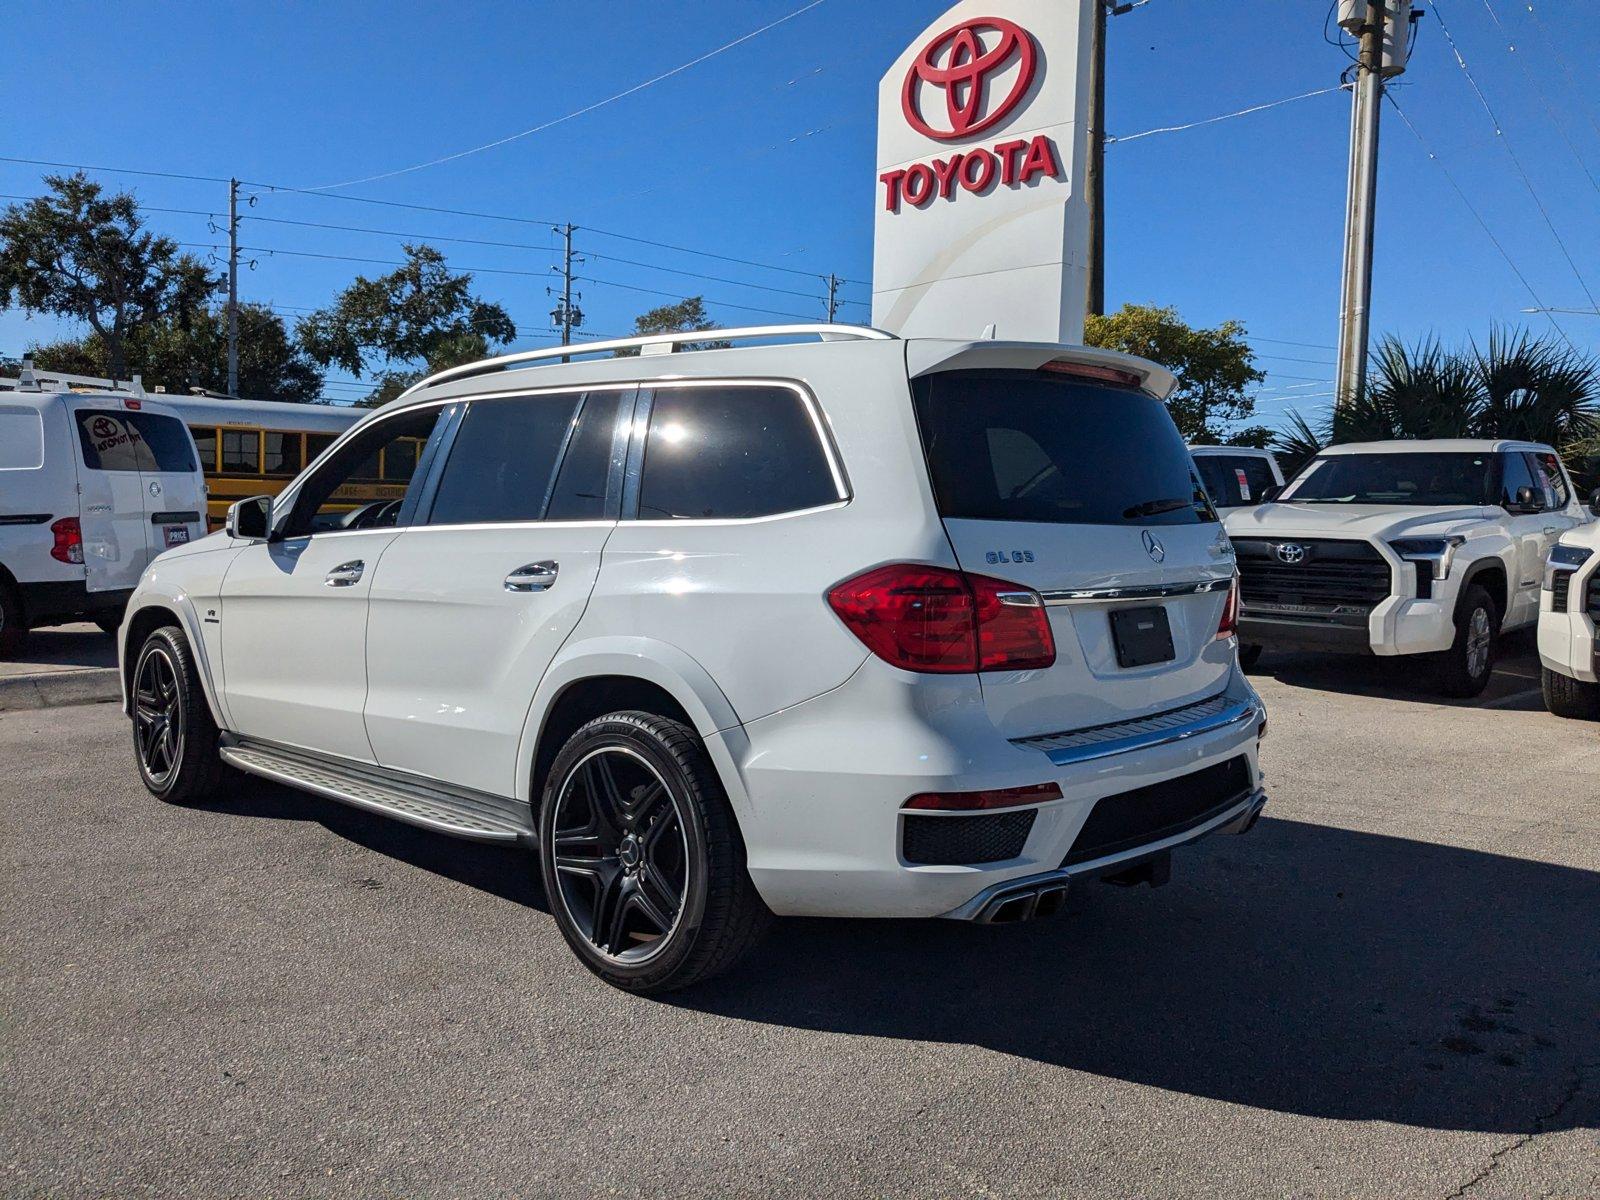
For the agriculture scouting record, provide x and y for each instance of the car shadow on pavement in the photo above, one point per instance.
(1404, 677)
(1307, 970)
(509, 872)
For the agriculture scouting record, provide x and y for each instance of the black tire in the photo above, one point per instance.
(1249, 655)
(676, 846)
(13, 633)
(174, 737)
(1464, 669)
(1565, 696)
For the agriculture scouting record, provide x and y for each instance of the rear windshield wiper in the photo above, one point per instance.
(1151, 508)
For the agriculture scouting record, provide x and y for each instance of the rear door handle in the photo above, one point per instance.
(533, 577)
(345, 574)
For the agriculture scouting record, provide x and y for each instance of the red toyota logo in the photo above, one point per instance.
(956, 61)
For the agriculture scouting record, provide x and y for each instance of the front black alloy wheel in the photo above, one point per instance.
(1465, 668)
(174, 735)
(642, 861)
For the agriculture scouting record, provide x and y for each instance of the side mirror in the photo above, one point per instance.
(1271, 493)
(250, 519)
(1527, 501)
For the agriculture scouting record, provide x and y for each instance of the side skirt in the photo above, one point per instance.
(459, 812)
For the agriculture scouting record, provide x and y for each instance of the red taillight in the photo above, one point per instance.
(1229, 625)
(1037, 793)
(69, 540)
(936, 620)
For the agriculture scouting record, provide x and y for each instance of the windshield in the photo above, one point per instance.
(1394, 479)
(1026, 446)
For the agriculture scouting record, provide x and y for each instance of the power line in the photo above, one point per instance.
(1477, 216)
(1566, 67)
(1533, 81)
(1254, 108)
(588, 108)
(1506, 142)
(709, 300)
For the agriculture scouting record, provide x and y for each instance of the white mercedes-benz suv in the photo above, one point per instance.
(825, 623)
(1410, 547)
(1569, 624)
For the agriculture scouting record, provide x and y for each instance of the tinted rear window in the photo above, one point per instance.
(133, 441)
(1222, 476)
(1024, 446)
(721, 451)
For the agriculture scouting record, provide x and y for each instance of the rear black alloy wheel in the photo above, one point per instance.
(174, 735)
(641, 857)
(621, 855)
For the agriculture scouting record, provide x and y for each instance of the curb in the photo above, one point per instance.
(98, 685)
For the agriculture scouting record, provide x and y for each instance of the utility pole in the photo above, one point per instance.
(566, 316)
(233, 287)
(1095, 175)
(833, 295)
(1383, 27)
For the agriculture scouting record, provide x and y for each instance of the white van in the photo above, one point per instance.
(93, 485)
(1237, 476)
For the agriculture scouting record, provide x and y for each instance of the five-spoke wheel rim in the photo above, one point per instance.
(1478, 638)
(621, 854)
(158, 716)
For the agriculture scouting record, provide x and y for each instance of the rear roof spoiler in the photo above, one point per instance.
(926, 356)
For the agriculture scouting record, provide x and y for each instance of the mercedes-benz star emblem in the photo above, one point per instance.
(1292, 553)
(1153, 546)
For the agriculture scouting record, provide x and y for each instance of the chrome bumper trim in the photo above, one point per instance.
(1177, 725)
(1240, 818)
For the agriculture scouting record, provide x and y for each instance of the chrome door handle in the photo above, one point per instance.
(345, 574)
(534, 577)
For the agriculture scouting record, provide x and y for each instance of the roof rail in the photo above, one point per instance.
(649, 344)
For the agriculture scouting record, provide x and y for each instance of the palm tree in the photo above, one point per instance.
(1516, 386)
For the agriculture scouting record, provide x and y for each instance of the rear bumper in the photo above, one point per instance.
(62, 600)
(1020, 899)
(825, 784)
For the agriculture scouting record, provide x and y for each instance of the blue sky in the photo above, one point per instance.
(766, 153)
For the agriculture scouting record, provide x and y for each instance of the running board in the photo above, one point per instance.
(459, 812)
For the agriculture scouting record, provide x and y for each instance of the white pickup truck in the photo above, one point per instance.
(1407, 547)
(1569, 625)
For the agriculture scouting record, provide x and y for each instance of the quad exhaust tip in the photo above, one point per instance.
(1024, 904)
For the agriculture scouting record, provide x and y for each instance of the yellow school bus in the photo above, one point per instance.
(255, 447)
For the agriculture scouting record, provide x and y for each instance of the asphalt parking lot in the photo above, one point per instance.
(1390, 988)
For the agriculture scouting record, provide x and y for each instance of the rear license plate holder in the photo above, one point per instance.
(175, 535)
(1142, 636)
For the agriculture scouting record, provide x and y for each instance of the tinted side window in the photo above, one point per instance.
(580, 491)
(205, 441)
(732, 452)
(1547, 469)
(281, 453)
(335, 497)
(502, 460)
(1514, 474)
(130, 441)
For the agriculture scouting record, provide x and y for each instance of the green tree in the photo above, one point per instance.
(417, 319)
(1215, 369)
(686, 316)
(80, 254)
(179, 357)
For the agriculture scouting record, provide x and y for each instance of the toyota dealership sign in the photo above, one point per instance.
(980, 213)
